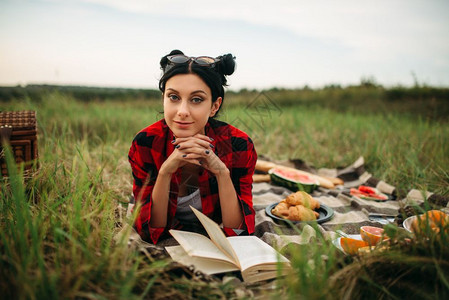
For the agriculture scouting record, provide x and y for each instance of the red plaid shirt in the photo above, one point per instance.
(151, 147)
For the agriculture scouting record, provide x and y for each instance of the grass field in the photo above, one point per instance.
(57, 230)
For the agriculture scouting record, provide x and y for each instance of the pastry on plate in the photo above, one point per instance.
(304, 199)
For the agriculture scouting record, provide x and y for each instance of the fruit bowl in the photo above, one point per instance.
(432, 220)
(408, 223)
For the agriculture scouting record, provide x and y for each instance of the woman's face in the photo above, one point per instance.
(188, 104)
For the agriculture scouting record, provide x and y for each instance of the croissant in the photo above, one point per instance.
(301, 213)
(304, 199)
(281, 210)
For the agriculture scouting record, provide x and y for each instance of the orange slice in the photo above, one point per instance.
(433, 219)
(372, 235)
(351, 246)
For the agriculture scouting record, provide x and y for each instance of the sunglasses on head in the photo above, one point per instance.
(204, 61)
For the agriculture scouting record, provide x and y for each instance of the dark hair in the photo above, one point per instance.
(214, 77)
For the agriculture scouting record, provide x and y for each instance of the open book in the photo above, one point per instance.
(255, 259)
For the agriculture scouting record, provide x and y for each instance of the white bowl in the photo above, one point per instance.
(408, 223)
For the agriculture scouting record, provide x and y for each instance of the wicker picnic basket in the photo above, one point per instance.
(19, 129)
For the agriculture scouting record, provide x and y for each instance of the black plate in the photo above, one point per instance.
(326, 213)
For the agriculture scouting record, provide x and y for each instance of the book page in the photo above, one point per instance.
(198, 245)
(252, 251)
(216, 234)
(205, 265)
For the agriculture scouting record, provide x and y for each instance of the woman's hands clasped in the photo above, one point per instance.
(197, 150)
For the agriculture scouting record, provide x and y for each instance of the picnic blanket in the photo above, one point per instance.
(350, 213)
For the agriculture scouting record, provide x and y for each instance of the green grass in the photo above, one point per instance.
(57, 229)
(405, 151)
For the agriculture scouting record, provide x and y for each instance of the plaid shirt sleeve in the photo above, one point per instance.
(144, 170)
(241, 161)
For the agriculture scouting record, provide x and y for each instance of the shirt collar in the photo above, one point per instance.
(210, 132)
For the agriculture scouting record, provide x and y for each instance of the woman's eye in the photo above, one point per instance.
(173, 97)
(197, 100)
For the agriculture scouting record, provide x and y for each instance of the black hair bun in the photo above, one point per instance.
(164, 60)
(227, 64)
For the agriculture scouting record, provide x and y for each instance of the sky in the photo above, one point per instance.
(284, 44)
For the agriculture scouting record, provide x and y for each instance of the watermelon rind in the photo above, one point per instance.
(292, 185)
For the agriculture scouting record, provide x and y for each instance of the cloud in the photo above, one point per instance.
(382, 25)
(298, 42)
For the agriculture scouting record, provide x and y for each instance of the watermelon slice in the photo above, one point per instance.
(368, 193)
(293, 180)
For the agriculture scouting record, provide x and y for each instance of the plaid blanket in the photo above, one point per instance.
(350, 213)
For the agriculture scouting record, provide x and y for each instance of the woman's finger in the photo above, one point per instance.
(197, 152)
(191, 143)
(204, 137)
(197, 136)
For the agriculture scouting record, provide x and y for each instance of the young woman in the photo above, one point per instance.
(191, 159)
